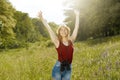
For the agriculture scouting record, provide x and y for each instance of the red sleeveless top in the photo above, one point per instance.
(65, 52)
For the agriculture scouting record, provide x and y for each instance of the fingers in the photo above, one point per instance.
(40, 14)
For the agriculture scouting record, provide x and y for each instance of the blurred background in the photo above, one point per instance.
(98, 19)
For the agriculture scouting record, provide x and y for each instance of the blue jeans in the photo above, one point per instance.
(57, 75)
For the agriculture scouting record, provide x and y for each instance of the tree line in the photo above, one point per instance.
(98, 18)
(17, 28)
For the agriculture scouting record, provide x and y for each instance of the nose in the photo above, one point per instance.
(64, 30)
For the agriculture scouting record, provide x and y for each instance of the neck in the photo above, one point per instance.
(64, 39)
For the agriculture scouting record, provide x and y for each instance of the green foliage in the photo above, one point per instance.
(90, 62)
(24, 26)
(10, 43)
(7, 35)
(6, 16)
(54, 26)
(17, 29)
(47, 43)
(98, 18)
(100, 61)
(39, 27)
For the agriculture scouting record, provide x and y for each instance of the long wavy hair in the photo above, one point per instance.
(58, 32)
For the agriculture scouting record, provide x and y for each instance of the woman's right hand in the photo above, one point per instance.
(40, 15)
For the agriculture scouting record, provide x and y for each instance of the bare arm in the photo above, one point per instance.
(75, 31)
(53, 37)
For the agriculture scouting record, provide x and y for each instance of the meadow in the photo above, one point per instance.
(97, 59)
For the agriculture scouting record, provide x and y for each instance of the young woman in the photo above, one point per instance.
(64, 45)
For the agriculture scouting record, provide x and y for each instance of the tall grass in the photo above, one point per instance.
(93, 60)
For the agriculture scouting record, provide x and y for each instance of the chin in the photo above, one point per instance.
(65, 36)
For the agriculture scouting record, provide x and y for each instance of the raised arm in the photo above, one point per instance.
(53, 37)
(75, 31)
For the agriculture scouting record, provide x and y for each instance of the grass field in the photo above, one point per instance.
(93, 60)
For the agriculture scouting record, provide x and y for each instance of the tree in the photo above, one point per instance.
(6, 16)
(24, 28)
(98, 18)
(39, 27)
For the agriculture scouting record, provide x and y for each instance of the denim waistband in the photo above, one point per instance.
(58, 63)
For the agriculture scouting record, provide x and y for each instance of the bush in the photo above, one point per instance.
(46, 43)
(11, 44)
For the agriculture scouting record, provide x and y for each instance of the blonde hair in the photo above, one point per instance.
(58, 31)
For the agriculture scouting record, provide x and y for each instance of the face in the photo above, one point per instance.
(63, 32)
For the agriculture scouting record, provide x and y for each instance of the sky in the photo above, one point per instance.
(52, 9)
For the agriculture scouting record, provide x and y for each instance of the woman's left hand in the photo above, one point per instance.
(76, 12)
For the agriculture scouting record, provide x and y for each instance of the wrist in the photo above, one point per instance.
(77, 14)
